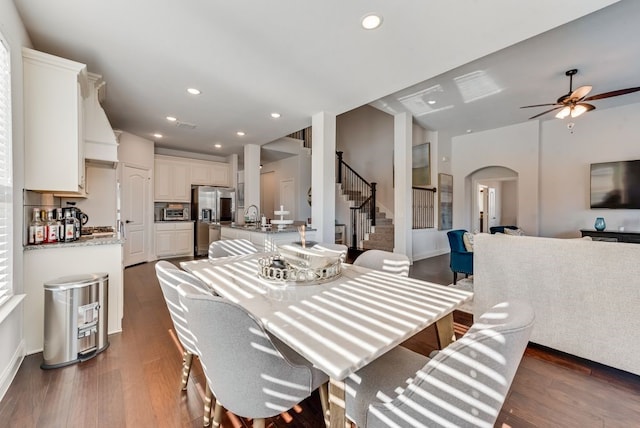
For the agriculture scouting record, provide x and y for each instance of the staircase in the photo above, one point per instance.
(370, 233)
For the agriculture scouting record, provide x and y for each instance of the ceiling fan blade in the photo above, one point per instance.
(580, 93)
(541, 105)
(612, 94)
(545, 112)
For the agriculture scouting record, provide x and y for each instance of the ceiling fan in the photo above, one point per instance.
(574, 102)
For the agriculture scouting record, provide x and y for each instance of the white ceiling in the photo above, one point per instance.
(250, 58)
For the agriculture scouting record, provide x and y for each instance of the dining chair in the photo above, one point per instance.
(385, 261)
(252, 374)
(231, 247)
(464, 384)
(169, 277)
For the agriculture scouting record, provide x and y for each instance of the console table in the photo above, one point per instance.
(606, 235)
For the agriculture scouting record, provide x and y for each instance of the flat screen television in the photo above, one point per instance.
(615, 184)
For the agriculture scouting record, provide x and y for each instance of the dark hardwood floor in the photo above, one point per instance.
(135, 382)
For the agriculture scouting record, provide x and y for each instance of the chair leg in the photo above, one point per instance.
(208, 400)
(258, 423)
(187, 359)
(217, 415)
(324, 399)
(455, 277)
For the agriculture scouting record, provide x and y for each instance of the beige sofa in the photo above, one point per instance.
(586, 294)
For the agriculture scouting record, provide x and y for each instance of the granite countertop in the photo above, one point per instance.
(174, 221)
(82, 242)
(272, 229)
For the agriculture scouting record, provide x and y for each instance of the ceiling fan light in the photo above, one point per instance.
(578, 110)
(563, 113)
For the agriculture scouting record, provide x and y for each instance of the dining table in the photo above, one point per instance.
(339, 324)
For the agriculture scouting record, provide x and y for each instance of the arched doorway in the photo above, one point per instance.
(494, 198)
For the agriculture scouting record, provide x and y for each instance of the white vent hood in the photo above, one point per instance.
(100, 141)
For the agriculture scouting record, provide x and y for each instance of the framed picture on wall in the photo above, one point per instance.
(445, 201)
(421, 165)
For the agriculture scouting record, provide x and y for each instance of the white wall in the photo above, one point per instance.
(365, 136)
(297, 168)
(100, 204)
(598, 136)
(514, 147)
(509, 210)
(11, 327)
(135, 151)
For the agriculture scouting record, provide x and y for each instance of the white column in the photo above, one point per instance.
(251, 175)
(403, 214)
(323, 175)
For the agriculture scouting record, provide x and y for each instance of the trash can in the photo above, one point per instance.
(75, 319)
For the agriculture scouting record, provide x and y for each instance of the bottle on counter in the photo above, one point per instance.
(52, 227)
(36, 228)
(69, 227)
(60, 224)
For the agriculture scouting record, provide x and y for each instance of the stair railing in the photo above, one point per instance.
(363, 215)
(423, 207)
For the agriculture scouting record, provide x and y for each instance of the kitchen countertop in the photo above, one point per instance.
(273, 229)
(173, 221)
(82, 242)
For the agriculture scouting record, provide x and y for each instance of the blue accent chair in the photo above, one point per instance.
(500, 229)
(461, 260)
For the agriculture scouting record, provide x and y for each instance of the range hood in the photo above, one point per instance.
(100, 145)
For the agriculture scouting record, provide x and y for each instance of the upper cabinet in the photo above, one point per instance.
(174, 177)
(54, 93)
(172, 182)
(210, 173)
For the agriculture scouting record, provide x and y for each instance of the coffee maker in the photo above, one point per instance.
(77, 214)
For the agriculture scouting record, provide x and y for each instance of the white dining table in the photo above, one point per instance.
(339, 325)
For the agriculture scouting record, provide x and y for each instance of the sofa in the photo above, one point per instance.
(586, 294)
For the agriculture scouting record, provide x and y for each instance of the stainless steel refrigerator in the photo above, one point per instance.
(210, 206)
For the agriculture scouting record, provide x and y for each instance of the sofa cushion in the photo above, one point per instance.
(514, 232)
(467, 238)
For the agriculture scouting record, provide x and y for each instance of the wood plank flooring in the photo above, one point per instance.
(136, 381)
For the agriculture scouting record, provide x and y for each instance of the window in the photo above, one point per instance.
(6, 177)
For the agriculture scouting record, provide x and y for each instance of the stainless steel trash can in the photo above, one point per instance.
(75, 319)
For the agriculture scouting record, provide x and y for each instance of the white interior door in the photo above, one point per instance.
(135, 192)
(492, 215)
(288, 196)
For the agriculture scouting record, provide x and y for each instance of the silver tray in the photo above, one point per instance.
(277, 270)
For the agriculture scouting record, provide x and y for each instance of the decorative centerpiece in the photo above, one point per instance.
(298, 265)
(282, 222)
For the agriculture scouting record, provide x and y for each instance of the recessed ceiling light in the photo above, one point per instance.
(193, 91)
(371, 21)
(431, 102)
(217, 145)
(157, 135)
(240, 134)
(469, 131)
(171, 118)
(275, 115)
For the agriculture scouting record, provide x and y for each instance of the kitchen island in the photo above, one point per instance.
(265, 238)
(43, 263)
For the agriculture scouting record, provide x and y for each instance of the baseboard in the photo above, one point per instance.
(12, 369)
(428, 254)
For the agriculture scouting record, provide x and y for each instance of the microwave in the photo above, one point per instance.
(175, 214)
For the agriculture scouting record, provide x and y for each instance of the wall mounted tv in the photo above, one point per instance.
(615, 184)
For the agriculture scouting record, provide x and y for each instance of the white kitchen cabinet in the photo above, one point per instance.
(209, 173)
(54, 90)
(45, 264)
(174, 239)
(221, 174)
(172, 180)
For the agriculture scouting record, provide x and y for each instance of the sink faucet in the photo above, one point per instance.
(252, 219)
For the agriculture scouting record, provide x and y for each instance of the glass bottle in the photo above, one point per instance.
(69, 227)
(36, 228)
(52, 227)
